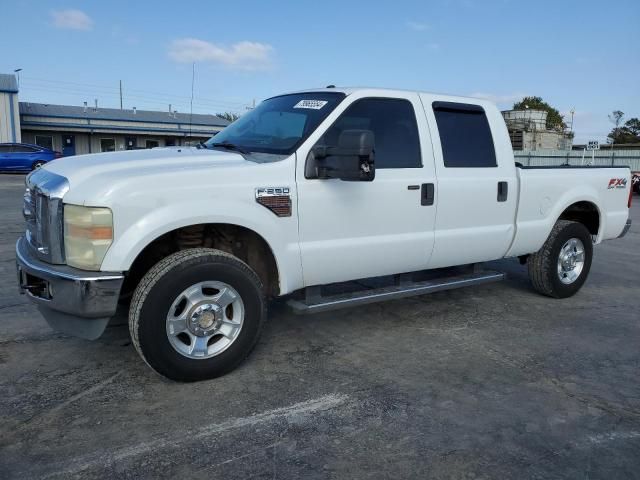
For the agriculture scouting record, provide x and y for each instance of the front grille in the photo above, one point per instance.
(42, 210)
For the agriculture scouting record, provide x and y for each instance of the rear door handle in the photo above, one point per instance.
(427, 196)
(503, 191)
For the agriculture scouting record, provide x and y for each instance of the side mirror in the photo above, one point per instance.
(351, 160)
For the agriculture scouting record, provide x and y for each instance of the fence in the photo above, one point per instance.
(603, 158)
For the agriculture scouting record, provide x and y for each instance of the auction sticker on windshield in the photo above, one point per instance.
(313, 104)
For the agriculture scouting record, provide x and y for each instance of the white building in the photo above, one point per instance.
(528, 131)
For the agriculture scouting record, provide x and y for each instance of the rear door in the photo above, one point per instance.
(477, 184)
(351, 230)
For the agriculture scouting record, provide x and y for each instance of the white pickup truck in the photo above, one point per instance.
(406, 192)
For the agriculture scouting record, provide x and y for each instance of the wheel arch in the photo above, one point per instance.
(238, 240)
(585, 212)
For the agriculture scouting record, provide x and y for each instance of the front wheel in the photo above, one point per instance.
(36, 165)
(197, 314)
(560, 267)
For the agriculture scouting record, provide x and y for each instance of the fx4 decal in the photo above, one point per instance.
(617, 183)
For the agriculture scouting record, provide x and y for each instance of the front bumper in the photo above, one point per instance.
(626, 228)
(71, 300)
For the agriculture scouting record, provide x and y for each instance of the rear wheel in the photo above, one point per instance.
(197, 314)
(37, 164)
(560, 267)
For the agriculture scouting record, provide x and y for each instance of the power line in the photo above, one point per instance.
(113, 89)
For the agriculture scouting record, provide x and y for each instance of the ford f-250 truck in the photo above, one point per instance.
(305, 192)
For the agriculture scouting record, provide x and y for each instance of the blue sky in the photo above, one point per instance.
(574, 54)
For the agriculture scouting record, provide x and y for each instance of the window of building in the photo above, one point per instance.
(465, 135)
(107, 145)
(393, 123)
(45, 141)
(152, 143)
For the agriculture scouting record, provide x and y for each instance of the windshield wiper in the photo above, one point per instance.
(229, 146)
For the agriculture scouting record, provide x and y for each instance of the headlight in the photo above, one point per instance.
(88, 233)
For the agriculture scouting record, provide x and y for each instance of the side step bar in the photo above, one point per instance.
(315, 302)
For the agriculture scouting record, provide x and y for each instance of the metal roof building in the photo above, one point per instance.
(75, 130)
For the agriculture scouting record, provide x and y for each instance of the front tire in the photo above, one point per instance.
(197, 314)
(561, 266)
(37, 164)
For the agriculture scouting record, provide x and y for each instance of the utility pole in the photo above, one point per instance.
(193, 78)
(17, 72)
(573, 111)
(120, 94)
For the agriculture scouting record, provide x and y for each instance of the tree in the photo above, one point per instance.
(230, 116)
(616, 118)
(628, 133)
(555, 121)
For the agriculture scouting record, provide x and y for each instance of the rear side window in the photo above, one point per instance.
(393, 123)
(465, 135)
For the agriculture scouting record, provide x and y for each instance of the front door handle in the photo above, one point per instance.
(503, 191)
(427, 196)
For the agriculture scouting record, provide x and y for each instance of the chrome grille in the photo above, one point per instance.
(42, 210)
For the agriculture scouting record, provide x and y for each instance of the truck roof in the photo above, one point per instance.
(396, 91)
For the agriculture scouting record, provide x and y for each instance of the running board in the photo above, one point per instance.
(315, 302)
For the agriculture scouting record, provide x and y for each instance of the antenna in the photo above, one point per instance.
(120, 94)
(193, 77)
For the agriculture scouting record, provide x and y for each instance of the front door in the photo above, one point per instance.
(68, 145)
(351, 230)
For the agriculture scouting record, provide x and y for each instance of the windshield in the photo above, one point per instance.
(279, 124)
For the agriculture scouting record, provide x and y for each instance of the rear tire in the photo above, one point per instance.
(558, 269)
(36, 165)
(198, 277)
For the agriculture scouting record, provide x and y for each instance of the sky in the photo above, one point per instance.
(580, 55)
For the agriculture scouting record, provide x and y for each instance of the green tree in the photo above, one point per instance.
(627, 133)
(555, 121)
(230, 116)
(616, 118)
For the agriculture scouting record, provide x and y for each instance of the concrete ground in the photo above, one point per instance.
(492, 381)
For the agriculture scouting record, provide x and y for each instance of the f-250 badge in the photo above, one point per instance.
(617, 183)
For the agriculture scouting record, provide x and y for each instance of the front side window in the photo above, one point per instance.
(465, 135)
(279, 124)
(394, 127)
(22, 149)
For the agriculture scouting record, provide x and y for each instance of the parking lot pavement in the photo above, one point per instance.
(492, 381)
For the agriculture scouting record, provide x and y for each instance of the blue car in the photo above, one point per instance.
(24, 157)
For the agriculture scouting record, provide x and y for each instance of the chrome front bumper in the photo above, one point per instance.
(71, 300)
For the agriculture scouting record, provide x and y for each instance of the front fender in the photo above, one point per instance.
(133, 234)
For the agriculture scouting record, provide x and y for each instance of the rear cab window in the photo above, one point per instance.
(465, 135)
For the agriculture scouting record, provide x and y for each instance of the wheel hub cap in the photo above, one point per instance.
(205, 319)
(571, 260)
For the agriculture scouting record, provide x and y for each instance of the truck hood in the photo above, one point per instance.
(141, 162)
(97, 178)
